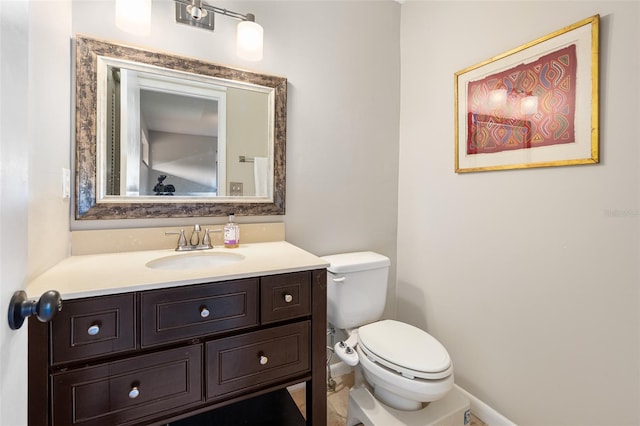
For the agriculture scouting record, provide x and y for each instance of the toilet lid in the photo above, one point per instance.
(405, 349)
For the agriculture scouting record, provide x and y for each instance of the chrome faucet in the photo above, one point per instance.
(194, 241)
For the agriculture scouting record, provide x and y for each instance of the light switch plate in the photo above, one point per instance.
(66, 183)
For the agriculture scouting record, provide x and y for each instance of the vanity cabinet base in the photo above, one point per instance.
(279, 340)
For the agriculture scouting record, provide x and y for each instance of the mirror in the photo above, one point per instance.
(159, 135)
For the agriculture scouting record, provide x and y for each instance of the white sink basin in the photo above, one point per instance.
(194, 261)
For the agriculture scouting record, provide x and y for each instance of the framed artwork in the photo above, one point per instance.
(533, 106)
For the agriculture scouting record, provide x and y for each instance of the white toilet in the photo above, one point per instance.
(403, 366)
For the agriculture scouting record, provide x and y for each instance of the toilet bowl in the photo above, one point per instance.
(405, 367)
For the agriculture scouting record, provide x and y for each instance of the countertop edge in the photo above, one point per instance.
(95, 274)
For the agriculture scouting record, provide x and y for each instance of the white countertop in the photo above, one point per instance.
(111, 273)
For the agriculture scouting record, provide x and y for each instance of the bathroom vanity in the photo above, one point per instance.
(138, 345)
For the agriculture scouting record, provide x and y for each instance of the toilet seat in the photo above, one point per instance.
(405, 349)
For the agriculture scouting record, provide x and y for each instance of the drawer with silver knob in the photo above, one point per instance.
(134, 388)
(285, 296)
(87, 328)
(197, 311)
(262, 357)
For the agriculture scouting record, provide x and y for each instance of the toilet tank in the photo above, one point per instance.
(356, 288)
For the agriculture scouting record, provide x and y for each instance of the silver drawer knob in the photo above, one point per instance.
(263, 360)
(93, 330)
(204, 312)
(134, 392)
(288, 298)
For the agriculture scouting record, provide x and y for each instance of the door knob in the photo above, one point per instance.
(20, 307)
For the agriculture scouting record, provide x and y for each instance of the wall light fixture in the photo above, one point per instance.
(134, 16)
(200, 14)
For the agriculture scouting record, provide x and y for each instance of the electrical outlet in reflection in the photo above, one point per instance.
(235, 189)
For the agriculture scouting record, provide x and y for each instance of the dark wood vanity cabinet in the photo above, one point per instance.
(151, 357)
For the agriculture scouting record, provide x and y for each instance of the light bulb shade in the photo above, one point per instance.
(249, 39)
(134, 16)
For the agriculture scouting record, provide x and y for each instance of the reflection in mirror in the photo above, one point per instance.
(165, 136)
(158, 127)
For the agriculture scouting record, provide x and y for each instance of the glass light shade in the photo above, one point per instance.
(134, 16)
(249, 39)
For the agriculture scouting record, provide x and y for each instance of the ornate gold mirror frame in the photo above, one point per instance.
(88, 206)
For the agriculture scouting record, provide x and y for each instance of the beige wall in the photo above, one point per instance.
(528, 277)
(49, 136)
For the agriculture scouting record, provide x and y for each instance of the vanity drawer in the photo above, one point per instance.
(125, 391)
(285, 296)
(257, 358)
(86, 328)
(197, 311)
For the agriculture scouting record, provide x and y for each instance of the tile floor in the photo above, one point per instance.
(337, 402)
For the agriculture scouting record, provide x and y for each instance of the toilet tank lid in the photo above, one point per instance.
(358, 261)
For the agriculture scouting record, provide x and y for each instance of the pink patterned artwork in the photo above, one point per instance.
(524, 107)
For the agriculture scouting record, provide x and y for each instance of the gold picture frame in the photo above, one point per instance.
(533, 106)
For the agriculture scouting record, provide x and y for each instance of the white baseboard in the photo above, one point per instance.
(485, 412)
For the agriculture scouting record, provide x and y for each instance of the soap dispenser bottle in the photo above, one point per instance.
(231, 233)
